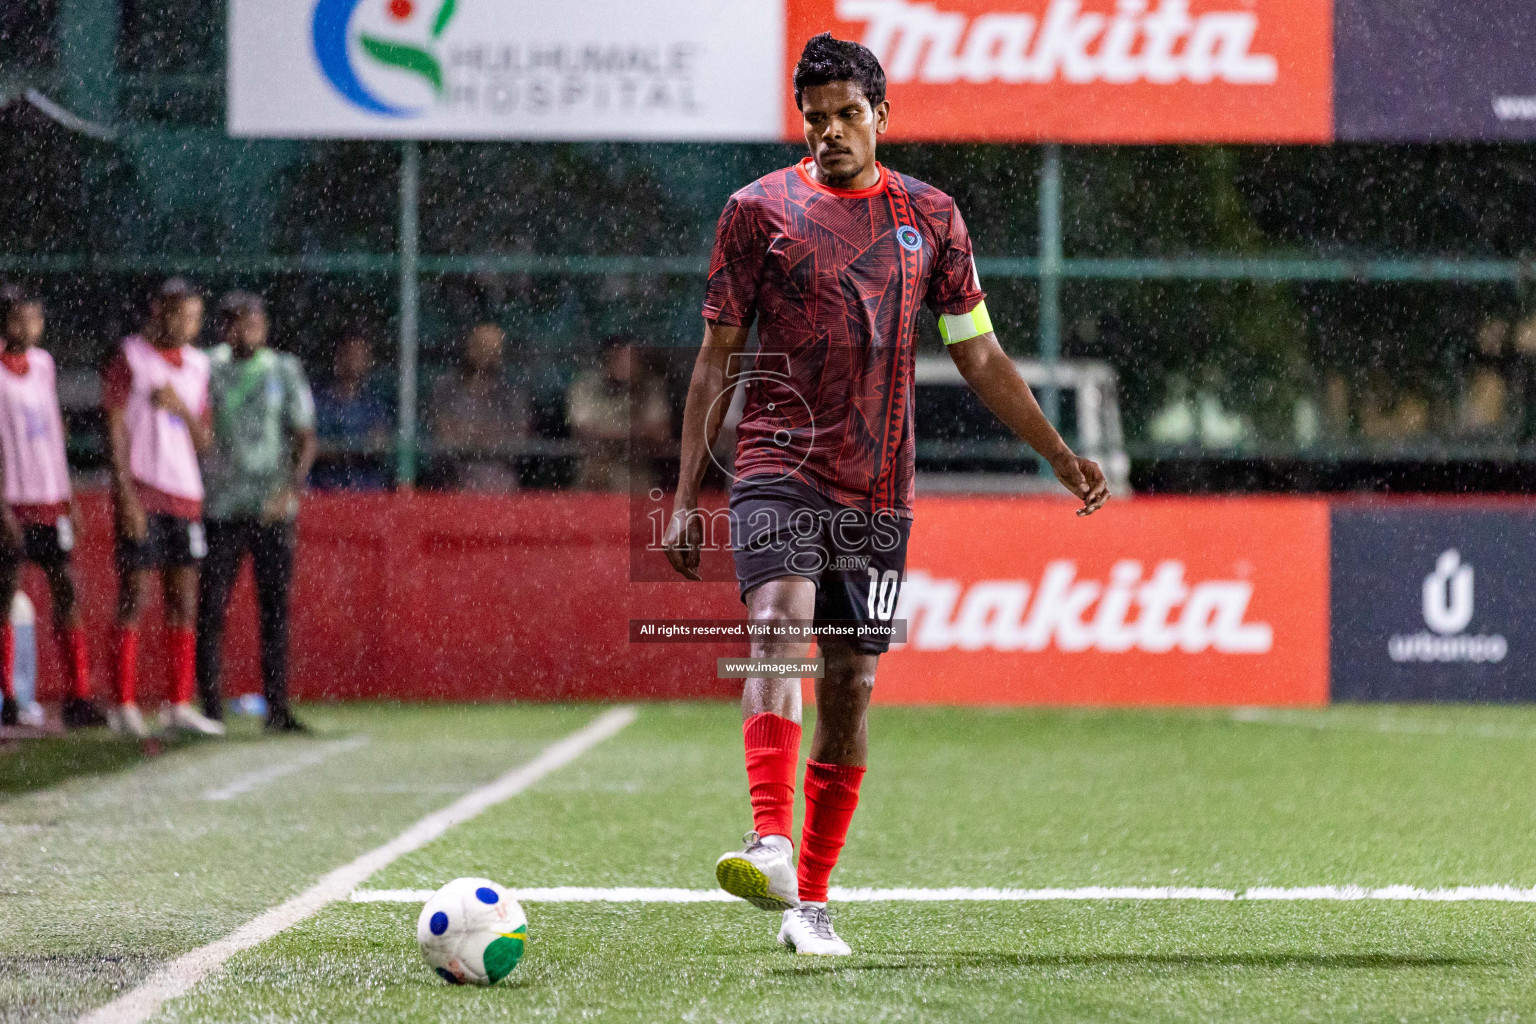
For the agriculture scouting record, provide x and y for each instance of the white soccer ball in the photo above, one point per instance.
(472, 932)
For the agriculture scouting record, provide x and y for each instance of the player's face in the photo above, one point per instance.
(354, 360)
(184, 321)
(24, 327)
(840, 130)
(248, 332)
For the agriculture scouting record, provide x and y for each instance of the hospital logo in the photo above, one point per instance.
(382, 55)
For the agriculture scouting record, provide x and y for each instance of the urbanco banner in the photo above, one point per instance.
(488, 69)
(1149, 601)
(1434, 603)
(1436, 70)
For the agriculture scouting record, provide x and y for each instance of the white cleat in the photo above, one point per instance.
(126, 720)
(186, 718)
(763, 874)
(808, 929)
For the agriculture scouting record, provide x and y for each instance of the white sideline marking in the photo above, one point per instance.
(262, 776)
(176, 977)
(1397, 893)
(1380, 723)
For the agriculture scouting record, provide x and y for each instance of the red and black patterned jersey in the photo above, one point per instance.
(834, 278)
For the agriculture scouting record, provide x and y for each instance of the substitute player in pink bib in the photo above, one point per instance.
(155, 394)
(37, 522)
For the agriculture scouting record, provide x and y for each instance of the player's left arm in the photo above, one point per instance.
(955, 296)
(996, 381)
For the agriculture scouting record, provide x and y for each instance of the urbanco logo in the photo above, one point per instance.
(332, 31)
(1448, 603)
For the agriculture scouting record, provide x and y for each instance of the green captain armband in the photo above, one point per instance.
(958, 327)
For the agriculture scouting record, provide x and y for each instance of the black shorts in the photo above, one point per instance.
(171, 541)
(857, 559)
(47, 544)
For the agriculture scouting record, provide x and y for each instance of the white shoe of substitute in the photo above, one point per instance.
(126, 720)
(186, 718)
(808, 929)
(763, 873)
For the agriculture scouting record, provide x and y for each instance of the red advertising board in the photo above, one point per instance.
(1150, 601)
(1090, 70)
(1009, 600)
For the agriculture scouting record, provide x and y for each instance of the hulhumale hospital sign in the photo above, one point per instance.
(593, 69)
(1005, 70)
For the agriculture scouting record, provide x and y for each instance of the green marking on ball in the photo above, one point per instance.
(503, 954)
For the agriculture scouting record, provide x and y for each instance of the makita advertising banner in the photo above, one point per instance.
(1092, 70)
(1153, 601)
(1434, 603)
(1084, 71)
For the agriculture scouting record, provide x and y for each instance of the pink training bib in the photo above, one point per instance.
(32, 433)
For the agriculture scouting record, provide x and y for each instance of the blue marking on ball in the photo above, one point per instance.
(439, 923)
(448, 976)
(486, 894)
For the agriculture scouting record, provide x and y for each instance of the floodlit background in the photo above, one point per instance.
(1271, 262)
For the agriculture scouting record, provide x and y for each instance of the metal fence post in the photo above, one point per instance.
(410, 310)
(1050, 274)
(85, 33)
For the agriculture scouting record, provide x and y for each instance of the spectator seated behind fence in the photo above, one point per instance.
(1483, 411)
(1524, 344)
(352, 421)
(476, 417)
(1392, 410)
(598, 409)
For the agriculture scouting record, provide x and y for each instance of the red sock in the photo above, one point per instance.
(773, 750)
(127, 676)
(8, 663)
(831, 794)
(77, 660)
(183, 664)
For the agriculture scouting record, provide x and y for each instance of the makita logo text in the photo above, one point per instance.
(1155, 41)
(1157, 613)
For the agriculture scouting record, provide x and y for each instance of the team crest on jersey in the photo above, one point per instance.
(909, 238)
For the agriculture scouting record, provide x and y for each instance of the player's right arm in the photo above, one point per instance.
(10, 527)
(116, 379)
(702, 416)
(730, 305)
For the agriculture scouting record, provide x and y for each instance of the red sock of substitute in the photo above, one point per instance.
(773, 750)
(77, 661)
(8, 663)
(125, 678)
(183, 664)
(831, 794)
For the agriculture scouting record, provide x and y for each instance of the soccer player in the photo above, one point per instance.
(37, 522)
(154, 390)
(263, 447)
(831, 257)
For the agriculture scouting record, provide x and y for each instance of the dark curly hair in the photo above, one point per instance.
(825, 59)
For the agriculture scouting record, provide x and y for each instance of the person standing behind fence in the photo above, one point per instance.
(263, 447)
(37, 521)
(154, 390)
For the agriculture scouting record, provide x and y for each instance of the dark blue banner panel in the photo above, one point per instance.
(1433, 604)
(1433, 70)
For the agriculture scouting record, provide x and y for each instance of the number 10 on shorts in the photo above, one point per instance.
(882, 592)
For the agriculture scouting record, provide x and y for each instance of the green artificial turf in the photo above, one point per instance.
(1431, 797)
